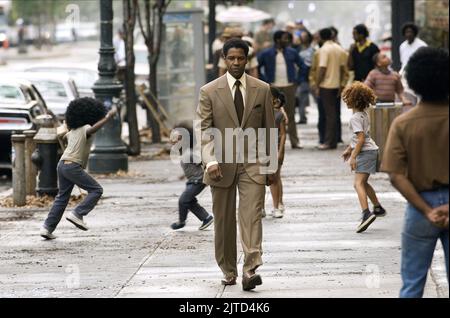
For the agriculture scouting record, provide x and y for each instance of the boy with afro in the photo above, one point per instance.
(362, 151)
(84, 117)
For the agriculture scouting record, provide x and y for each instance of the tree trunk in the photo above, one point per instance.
(156, 129)
(152, 32)
(129, 18)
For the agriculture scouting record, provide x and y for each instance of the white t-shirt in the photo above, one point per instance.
(406, 50)
(281, 77)
(360, 123)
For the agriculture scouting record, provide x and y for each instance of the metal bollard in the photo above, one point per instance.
(18, 166)
(30, 168)
(45, 157)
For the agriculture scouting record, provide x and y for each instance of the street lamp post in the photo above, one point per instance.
(109, 154)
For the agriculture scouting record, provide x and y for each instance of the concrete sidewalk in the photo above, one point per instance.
(130, 251)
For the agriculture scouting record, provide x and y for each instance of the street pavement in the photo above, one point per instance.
(130, 250)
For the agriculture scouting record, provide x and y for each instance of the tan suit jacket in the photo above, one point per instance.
(216, 109)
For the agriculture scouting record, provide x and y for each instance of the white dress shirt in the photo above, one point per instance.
(231, 81)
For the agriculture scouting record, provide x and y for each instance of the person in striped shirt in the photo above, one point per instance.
(386, 83)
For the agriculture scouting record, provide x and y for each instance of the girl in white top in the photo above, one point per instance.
(362, 151)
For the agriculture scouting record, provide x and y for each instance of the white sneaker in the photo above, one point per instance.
(46, 234)
(277, 213)
(281, 207)
(75, 220)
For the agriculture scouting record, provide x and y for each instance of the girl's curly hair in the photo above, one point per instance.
(359, 96)
(84, 111)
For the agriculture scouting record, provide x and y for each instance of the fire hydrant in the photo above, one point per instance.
(45, 157)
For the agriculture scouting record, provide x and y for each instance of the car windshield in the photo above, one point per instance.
(8, 92)
(51, 90)
(84, 79)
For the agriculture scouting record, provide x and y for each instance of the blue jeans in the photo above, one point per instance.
(188, 202)
(419, 239)
(70, 175)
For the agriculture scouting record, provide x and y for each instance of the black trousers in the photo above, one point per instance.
(330, 99)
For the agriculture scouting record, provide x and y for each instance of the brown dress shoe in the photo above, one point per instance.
(249, 282)
(229, 281)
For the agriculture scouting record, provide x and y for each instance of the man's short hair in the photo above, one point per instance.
(325, 34)
(412, 26)
(237, 44)
(362, 29)
(334, 30)
(427, 73)
(278, 35)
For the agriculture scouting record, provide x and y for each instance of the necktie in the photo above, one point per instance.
(239, 101)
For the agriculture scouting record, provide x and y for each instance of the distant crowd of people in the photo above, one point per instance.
(306, 65)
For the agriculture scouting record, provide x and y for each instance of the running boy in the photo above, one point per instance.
(84, 117)
(362, 151)
(194, 186)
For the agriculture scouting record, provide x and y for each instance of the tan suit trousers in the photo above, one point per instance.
(251, 203)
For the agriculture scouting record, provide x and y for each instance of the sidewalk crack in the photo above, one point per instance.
(146, 258)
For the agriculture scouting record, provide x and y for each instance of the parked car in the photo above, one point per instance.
(84, 77)
(58, 90)
(20, 104)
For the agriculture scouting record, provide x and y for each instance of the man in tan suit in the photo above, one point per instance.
(233, 101)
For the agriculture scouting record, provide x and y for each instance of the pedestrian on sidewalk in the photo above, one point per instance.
(329, 85)
(279, 100)
(385, 82)
(84, 117)
(344, 81)
(193, 172)
(236, 101)
(416, 157)
(279, 66)
(303, 90)
(360, 59)
(412, 43)
(313, 77)
(362, 151)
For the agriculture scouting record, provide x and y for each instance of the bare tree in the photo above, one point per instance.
(151, 29)
(129, 23)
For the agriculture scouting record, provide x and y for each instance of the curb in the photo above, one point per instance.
(24, 58)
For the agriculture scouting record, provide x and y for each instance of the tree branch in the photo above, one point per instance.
(149, 42)
(141, 27)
